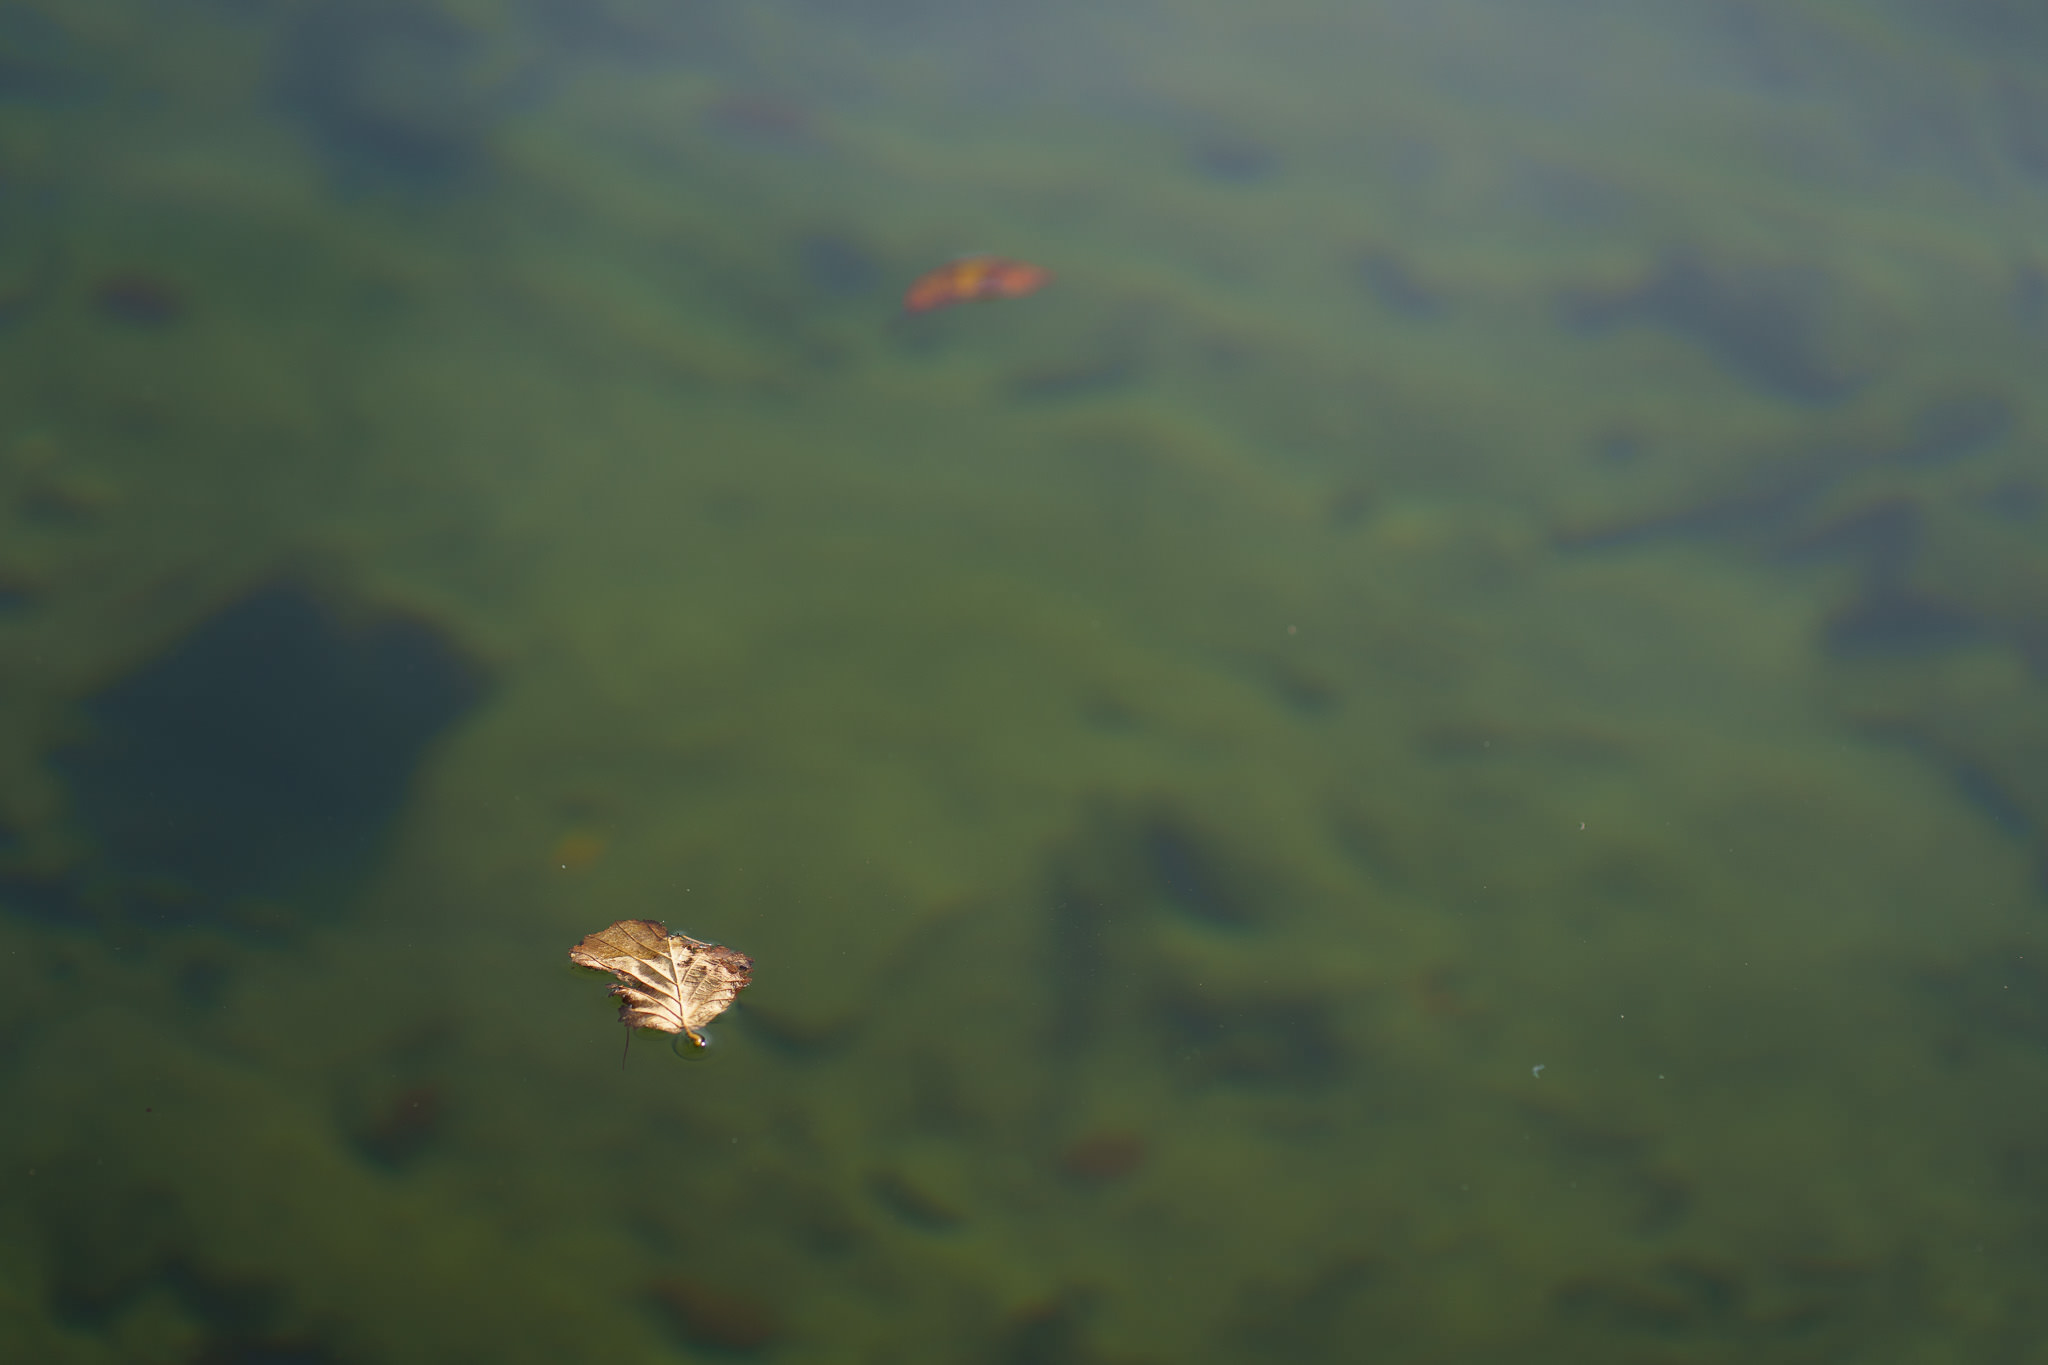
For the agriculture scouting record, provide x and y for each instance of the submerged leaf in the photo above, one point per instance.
(666, 981)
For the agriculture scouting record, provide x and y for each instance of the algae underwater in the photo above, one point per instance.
(1435, 753)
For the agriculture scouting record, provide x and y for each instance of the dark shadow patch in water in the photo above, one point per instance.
(264, 1353)
(1196, 882)
(37, 65)
(136, 298)
(1051, 1332)
(1085, 378)
(1762, 325)
(49, 899)
(1762, 503)
(1130, 873)
(393, 1104)
(1889, 621)
(1883, 535)
(1998, 786)
(2019, 115)
(108, 1248)
(1086, 939)
(1624, 1164)
(2028, 296)
(1233, 160)
(1302, 689)
(793, 1036)
(1992, 796)
(1776, 507)
(1396, 288)
(1677, 1297)
(837, 264)
(713, 1319)
(265, 753)
(389, 93)
(396, 1129)
(1285, 1043)
(912, 1204)
(1306, 1317)
(1997, 995)
(2015, 499)
(1957, 427)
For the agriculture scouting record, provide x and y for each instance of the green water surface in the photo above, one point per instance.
(1436, 754)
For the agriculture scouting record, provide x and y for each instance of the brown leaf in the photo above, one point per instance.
(666, 981)
(1110, 1154)
(716, 1319)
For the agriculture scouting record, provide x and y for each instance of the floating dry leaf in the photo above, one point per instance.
(666, 981)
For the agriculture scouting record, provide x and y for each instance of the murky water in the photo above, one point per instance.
(1435, 753)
